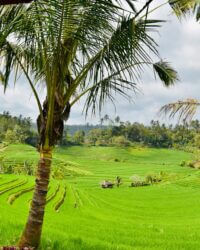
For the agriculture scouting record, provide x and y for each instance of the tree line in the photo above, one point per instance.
(16, 129)
(109, 132)
(153, 135)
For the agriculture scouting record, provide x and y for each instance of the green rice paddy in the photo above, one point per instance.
(81, 215)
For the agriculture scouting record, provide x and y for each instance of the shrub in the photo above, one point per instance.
(153, 178)
(12, 167)
(29, 168)
(138, 181)
(120, 141)
(58, 173)
(183, 164)
(7, 169)
(194, 164)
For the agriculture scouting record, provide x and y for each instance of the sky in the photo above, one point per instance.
(179, 44)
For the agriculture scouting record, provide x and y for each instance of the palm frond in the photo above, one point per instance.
(131, 5)
(198, 13)
(81, 44)
(2, 79)
(185, 110)
(183, 7)
(166, 73)
(129, 42)
(107, 89)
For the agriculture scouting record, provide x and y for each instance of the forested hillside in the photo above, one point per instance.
(15, 129)
(108, 133)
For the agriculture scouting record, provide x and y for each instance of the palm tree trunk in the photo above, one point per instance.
(33, 229)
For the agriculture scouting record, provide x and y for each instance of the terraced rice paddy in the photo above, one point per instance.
(81, 215)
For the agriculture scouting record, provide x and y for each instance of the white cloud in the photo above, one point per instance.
(179, 43)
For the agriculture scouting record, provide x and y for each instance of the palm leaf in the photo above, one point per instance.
(166, 73)
(185, 110)
(75, 45)
(183, 7)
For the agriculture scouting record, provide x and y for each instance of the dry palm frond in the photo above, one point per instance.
(185, 109)
(183, 7)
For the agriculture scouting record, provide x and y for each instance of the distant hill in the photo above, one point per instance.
(73, 128)
(86, 128)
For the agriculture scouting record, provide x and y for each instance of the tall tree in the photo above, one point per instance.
(74, 48)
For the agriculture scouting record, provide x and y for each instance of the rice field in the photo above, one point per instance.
(81, 215)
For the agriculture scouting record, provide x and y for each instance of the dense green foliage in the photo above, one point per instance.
(111, 133)
(153, 135)
(159, 216)
(15, 129)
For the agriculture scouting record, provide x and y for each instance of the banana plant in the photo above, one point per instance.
(75, 48)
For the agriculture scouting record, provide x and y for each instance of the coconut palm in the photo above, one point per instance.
(185, 110)
(117, 119)
(74, 48)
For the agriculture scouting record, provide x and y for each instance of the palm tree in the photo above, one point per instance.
(74, 48)
(185, 110)
(117, 119)
(106, 118)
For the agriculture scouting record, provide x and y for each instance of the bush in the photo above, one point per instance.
(191, 164)
(183, 164)
(138, 181)
(194, 164)
(153, 178)
(58, 173)
(9, 167)
(120, 141)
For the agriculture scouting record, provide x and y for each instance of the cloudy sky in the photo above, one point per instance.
(179, 44)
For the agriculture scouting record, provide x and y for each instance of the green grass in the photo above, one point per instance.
(161, 216)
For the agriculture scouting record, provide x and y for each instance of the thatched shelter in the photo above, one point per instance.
(107, 184)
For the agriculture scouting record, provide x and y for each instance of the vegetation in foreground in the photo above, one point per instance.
(159, 216)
